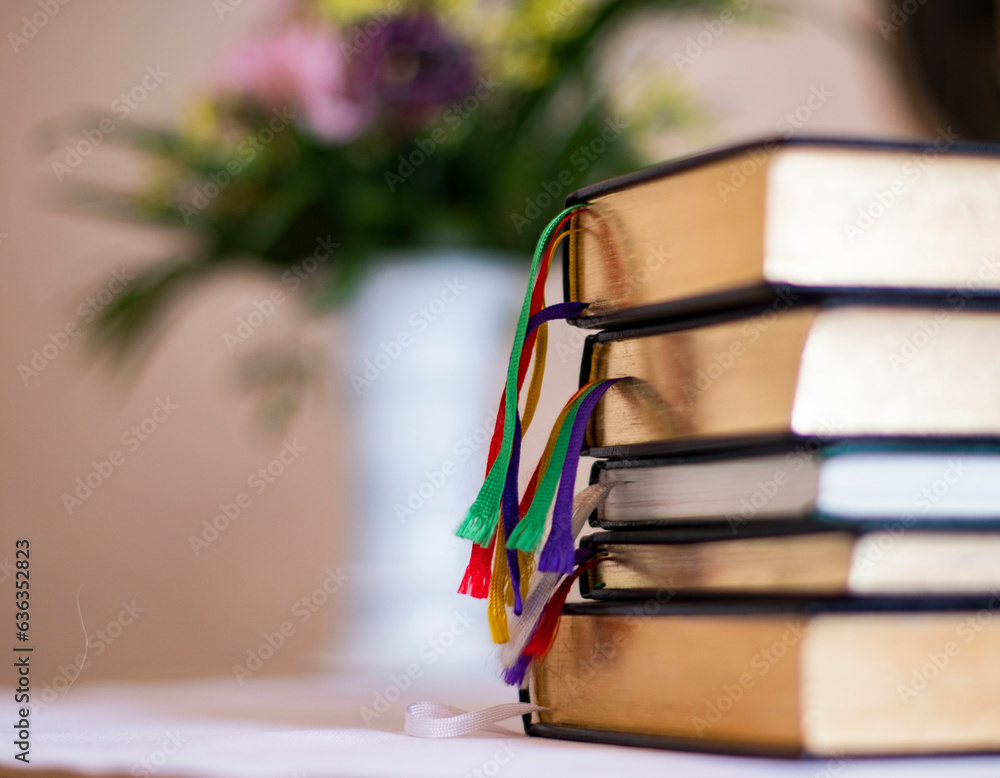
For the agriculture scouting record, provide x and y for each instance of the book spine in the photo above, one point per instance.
(523, 695)
(586, 363)
(586, 371)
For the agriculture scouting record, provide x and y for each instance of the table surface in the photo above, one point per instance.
(298, 727)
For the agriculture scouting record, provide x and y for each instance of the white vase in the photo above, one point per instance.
(428, 343)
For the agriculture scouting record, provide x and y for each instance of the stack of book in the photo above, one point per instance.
(801, 542)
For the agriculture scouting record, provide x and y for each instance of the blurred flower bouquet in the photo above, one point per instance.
(343, 130)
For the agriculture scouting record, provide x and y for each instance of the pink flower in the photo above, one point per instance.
(302, 68)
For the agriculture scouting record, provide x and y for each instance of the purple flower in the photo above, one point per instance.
(411, 67)
(300, 68)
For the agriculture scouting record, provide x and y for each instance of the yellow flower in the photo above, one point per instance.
(200, 123)
(344, 11)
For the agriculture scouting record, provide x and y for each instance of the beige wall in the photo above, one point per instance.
(129, 541)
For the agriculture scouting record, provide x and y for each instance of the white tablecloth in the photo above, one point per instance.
(315, 727)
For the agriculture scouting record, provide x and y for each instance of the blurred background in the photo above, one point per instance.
(214, 479)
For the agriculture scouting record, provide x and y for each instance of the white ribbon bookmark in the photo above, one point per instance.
(432, 719)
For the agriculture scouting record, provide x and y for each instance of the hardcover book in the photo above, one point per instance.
(842, 559)
(734, 224)
(819, 370)
(816, 678)
(912, 483)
